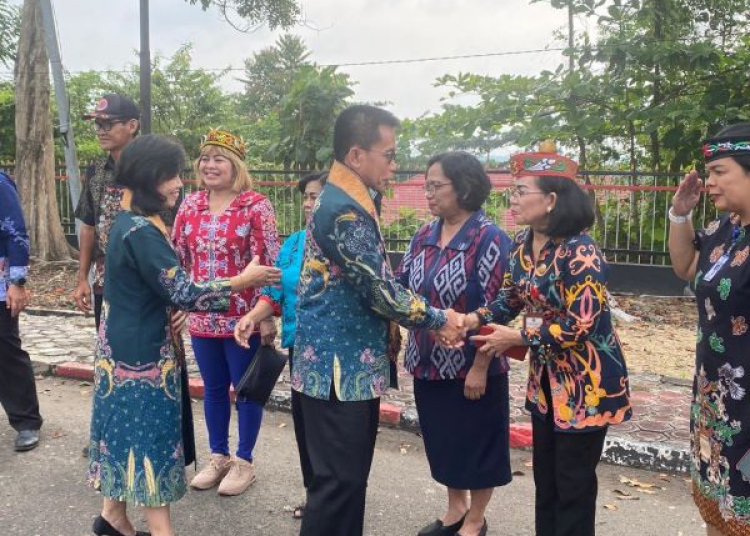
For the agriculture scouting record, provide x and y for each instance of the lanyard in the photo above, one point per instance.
(738, 233)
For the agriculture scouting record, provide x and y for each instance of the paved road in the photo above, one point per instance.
(43, 492)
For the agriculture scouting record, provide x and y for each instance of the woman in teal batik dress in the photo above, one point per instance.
(136, 449)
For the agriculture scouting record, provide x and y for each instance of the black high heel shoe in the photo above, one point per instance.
(102, 527)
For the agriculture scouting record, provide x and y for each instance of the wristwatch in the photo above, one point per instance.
(18, 282)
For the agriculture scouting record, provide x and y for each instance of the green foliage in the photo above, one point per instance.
(270, 73)
(306, 116)
(7, 121)
(10, 29)
(275, 13)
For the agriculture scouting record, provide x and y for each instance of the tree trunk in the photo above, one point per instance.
(583, 163)
(35, 151)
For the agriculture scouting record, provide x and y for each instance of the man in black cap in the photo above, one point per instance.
(116, 123)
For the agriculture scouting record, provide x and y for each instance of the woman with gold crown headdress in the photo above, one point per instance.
(218, 231)
(716, 259)
(578, 382)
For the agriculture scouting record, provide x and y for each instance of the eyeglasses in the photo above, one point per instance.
(390, 154)
(430, 188)
(520, 192)
(105, 126)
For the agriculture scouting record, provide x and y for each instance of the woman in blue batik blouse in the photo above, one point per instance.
(281, 300)
(578, 382)
(458, 261)
(136, 452)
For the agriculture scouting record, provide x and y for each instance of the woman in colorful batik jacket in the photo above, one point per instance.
(578, 382)
(217, 232)
(716, 258)
(136, 452)
(458, 261)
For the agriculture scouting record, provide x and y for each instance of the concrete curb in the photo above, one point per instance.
(617, 450)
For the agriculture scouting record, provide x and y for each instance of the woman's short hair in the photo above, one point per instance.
(738, 130)
(574, 210)
(146, 163)
(466, 173)
(312, 177)
(241, 179)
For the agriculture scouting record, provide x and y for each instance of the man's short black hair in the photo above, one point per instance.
(471, 183)
(146, 163)
(307, 179)
(574, 210)
(360, 125)
(738, 130)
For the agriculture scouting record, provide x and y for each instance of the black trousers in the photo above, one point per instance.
(17, 385)
(340, 440)
(565, 478)
(299, 431)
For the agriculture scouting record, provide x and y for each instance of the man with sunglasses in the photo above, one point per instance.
(348, 308)
(116, 121)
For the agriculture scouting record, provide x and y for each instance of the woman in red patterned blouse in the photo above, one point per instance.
(218, 231)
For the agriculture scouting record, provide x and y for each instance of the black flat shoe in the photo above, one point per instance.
(103, 528)
(482, 532)
(436, 528)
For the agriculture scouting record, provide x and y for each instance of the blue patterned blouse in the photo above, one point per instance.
(464, 275)
(14, 242)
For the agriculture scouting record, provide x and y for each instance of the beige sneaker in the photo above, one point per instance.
(212, 474)
(238, 479)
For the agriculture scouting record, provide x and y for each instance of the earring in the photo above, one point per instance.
(549, 209)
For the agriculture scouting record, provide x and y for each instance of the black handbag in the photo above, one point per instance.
(261, 376)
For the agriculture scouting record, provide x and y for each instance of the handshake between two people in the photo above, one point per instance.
(494, 340)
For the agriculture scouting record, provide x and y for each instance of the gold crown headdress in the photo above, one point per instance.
(226, 139)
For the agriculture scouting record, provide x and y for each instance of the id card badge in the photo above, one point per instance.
(532, 321)
(716, 267)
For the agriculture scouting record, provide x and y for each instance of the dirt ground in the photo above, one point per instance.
(660, 341)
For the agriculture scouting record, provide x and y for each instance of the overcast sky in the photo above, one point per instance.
(104, 34)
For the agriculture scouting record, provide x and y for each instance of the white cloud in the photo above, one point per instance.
(104, 34)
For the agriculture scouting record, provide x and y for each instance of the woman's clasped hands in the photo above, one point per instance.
(499, 341)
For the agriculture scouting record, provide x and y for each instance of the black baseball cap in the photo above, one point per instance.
(114, 106)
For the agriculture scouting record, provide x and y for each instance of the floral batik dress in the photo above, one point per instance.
(720, 415)
(136, 444)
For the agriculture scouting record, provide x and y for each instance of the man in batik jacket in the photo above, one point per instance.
(347, 300)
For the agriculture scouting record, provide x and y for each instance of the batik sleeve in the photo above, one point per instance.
(352, 242)
(13, 228)
(157, 263)
(180, 239)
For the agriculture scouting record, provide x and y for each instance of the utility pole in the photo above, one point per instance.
(61, 93)
(145, 71)
(571, 37)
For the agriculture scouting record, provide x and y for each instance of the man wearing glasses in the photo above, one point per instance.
(348, 305)
(116, 121)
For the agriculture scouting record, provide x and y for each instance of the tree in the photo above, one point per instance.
(35, 165)
(254, 13)
(186, 101)
(306, 116)
(270, 73)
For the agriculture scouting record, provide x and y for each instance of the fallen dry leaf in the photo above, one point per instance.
(282, 425)
(611, 507)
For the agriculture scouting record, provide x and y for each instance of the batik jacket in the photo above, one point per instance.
(347, 295)
(576, 345)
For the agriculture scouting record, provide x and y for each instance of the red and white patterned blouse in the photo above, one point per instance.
(218, 246)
